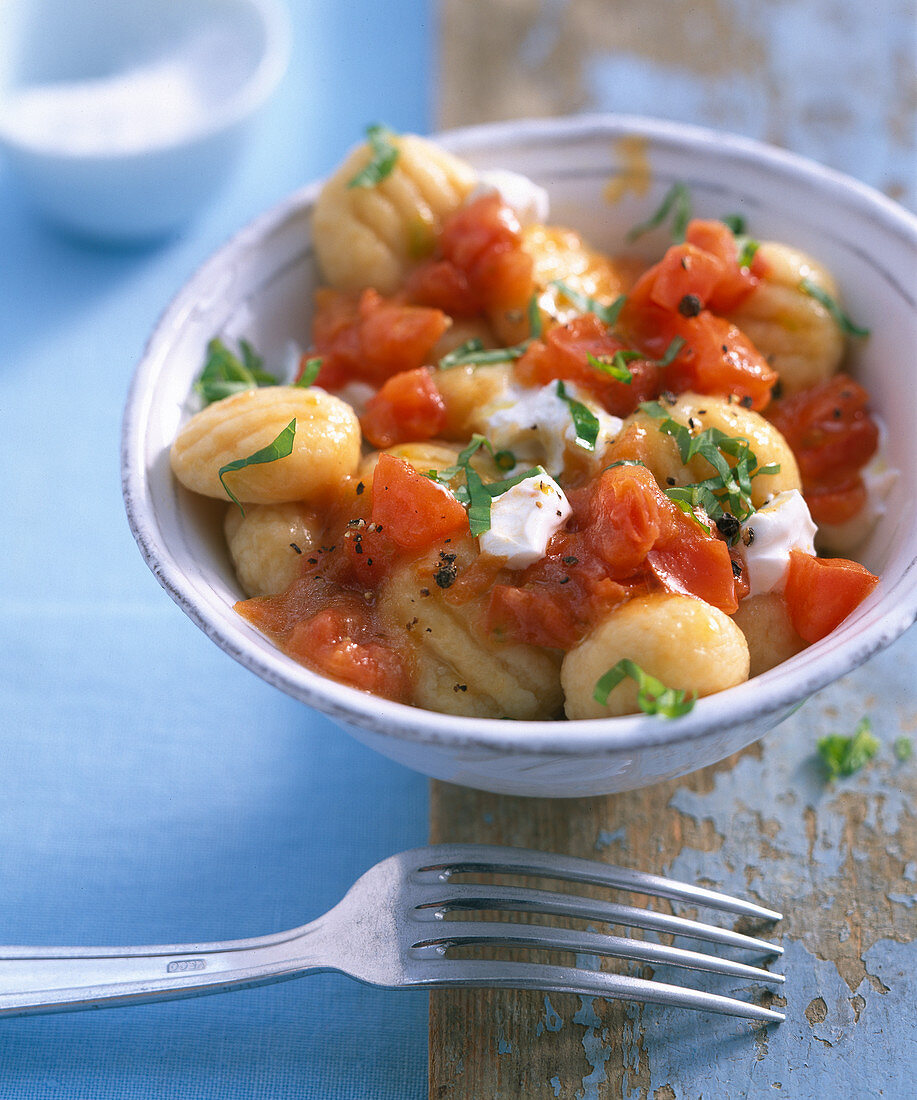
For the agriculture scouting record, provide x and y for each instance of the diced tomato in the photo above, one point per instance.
(833, 436)
(563, 353)
(821, 592)
(481, 263)
(413, 510)
(407, 408)
(829, 428)
(341, 642)
(834, 504)
(697, 565)
(371, 338)
(619, 514)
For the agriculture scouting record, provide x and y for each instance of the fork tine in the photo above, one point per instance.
(504, 934)
(470, 896)
(441, 973)
(445, 860)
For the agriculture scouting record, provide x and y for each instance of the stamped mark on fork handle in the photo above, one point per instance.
(178, 965)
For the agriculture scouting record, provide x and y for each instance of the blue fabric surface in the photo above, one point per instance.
(153, 790)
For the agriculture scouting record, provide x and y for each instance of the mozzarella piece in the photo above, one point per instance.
(523, 519)
(528, 201)
(768, 535)
(537, 425)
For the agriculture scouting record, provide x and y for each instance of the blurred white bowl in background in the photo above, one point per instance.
(122, 119)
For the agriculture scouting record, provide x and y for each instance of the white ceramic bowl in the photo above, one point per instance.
(121, 118)
(259, 285)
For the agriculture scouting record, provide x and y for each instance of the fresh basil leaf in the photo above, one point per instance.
(840, 317)
(748, 247)
(735, 223)
(678, 342)
(310, 372)
(384, 156)
(534, 316)
(616, 367)
(473, 352)
(653, 696)
(903, 748)
(607, 314)
(677, 202)
(843, 756)
(585, 422)
(225, 373)
(278, 448)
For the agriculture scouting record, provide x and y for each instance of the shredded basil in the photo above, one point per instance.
(678, 342)
(384, 157)
(747, 247)
(279, 448)
(476, 494)
(616, 366)
(824, 298)
(534, 315)
(731, 484)
(735, 223)
(677, 202)
(653, 696)
(585, 422)
(225, 373)
(607, 314)
(842, 756)
(903, 748)
(310, 372)
(472, 352)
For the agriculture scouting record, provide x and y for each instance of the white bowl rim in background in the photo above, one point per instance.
(879, 621)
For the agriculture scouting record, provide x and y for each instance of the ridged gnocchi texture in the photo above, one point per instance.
(793, 331)
(458, 667)
(560, 253)
(371, 236)
(769, 634)
(682, 641)
(326, 447)
(268, 543)
(467, 391)
(641, 439)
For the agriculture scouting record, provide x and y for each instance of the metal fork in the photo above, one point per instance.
(393, 929)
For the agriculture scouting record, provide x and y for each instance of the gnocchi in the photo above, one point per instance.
(545, 512)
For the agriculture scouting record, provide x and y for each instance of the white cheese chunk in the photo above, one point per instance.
(525, 198)
(768, 535)
(523, 519)
(537, 426)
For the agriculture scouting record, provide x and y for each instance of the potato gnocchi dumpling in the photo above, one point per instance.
(641, 439)
(793, 330)
(485, 510)
(326, 446)
(267, 541)
(372, 236)
(459, 667)
(685, 643)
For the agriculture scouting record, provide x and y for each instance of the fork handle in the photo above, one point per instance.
(36, 980)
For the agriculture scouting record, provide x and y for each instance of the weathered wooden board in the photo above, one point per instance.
(840, 859)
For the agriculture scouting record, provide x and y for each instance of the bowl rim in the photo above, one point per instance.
(881, 619)
(242, 102)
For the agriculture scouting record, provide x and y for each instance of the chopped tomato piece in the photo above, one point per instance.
(833, 436)
(407, 408)
(371, 338)
(481, 263)
(619, 513)
(341, 642)
(821, 592)
(563, 353)
(829, 428)
(413, 510)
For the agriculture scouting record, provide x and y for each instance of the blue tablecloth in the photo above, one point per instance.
(153, 790)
